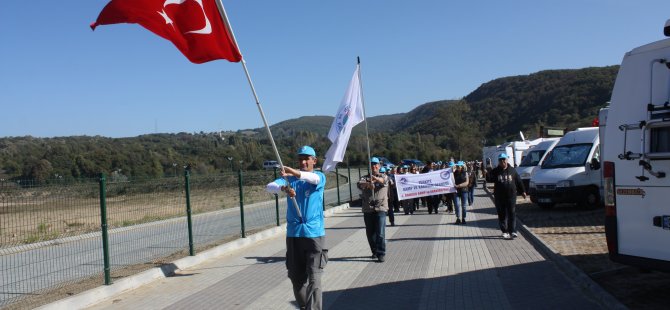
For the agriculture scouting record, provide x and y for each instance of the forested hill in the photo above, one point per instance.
(491, 114)
(557, 98)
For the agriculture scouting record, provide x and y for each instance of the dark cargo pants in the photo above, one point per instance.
(305, 260)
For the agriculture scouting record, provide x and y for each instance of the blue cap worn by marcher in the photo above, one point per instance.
(503, 156)
(374, 160)
(451, 164)
(307, 150)
(460, 163)
(382, 169)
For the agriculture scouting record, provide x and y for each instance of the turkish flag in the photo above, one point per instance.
(195, 27)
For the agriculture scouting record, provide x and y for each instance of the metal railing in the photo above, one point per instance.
(59, 233)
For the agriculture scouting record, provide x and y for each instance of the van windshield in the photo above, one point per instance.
(567, 156)
(532, 158)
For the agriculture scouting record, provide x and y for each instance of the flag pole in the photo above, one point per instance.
(224, 16)
(365, 118)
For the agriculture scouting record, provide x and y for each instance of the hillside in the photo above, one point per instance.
(557, 98)
(493, 113)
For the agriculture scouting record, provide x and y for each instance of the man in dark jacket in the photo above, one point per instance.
(506, 181)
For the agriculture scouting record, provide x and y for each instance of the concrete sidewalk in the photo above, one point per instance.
(431, 263)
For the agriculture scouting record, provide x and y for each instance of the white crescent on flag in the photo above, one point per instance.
(205, 30)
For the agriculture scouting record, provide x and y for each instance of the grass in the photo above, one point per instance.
(42, 234)
(45, 213)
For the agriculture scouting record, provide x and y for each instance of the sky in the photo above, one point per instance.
(59, 78)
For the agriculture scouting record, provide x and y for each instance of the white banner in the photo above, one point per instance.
(427, 184)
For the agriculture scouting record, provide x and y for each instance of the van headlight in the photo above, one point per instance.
(531, 184)
(525, 175)
(565, 183)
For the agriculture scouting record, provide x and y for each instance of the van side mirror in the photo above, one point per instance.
(595, 164)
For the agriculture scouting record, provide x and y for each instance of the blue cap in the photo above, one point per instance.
(374, 160)
(307, 150)
(503, 156)
(382, 169)
(405, 166)
(451, 164)
(460, 163)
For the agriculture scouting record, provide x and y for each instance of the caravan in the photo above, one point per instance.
(570, 173)
(636, 159)
(533, 157)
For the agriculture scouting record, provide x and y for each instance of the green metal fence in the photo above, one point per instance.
(89, 232)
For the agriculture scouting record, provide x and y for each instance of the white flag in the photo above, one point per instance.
(349, 114)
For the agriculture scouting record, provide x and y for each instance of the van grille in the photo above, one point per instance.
(546, 187)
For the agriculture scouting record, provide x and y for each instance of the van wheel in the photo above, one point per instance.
(592, 199)
(546, 205)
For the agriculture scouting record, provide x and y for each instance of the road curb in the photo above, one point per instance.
(96, 295)
(573, 272)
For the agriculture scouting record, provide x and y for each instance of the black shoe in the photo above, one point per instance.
(463, 222)
(392, 224)
(374, 256)
(381, 258)
(458, 221)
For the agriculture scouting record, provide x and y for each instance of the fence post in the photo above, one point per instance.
(239, 175)
(337, 181)
(103, 226)
(187, 184)
(276, 200)
(351, 195)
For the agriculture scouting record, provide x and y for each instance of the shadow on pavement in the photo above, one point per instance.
(526, 286)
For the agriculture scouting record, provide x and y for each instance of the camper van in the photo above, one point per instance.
(636, 159)
(533, 157)
(571, 171)
(490, 154)
(519, 149)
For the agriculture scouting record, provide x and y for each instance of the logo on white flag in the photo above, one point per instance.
(343, 118)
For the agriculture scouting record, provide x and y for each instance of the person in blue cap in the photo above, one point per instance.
(391, 186)
(306, 255)
(374, 200)
(461, 196)
(449, 199)
(506, 183)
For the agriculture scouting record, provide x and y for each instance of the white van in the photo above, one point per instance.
(532, 158)
(270, 164)
(636, 159)
(519, 149)
(570, 173)
(490, 154)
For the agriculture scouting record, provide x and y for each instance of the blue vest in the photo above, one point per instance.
(310, 202)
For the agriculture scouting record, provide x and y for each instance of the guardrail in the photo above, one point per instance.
(62, 233)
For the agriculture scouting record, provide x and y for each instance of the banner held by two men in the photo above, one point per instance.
(426, 184)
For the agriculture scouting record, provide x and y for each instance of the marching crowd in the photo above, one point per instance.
(306, 250)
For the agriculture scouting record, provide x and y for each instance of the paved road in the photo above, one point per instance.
(431, 264)
(25, 272)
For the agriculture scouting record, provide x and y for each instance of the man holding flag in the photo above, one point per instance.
(201, 31)
(306, 256)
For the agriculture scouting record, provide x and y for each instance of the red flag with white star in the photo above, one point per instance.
(195, 27)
